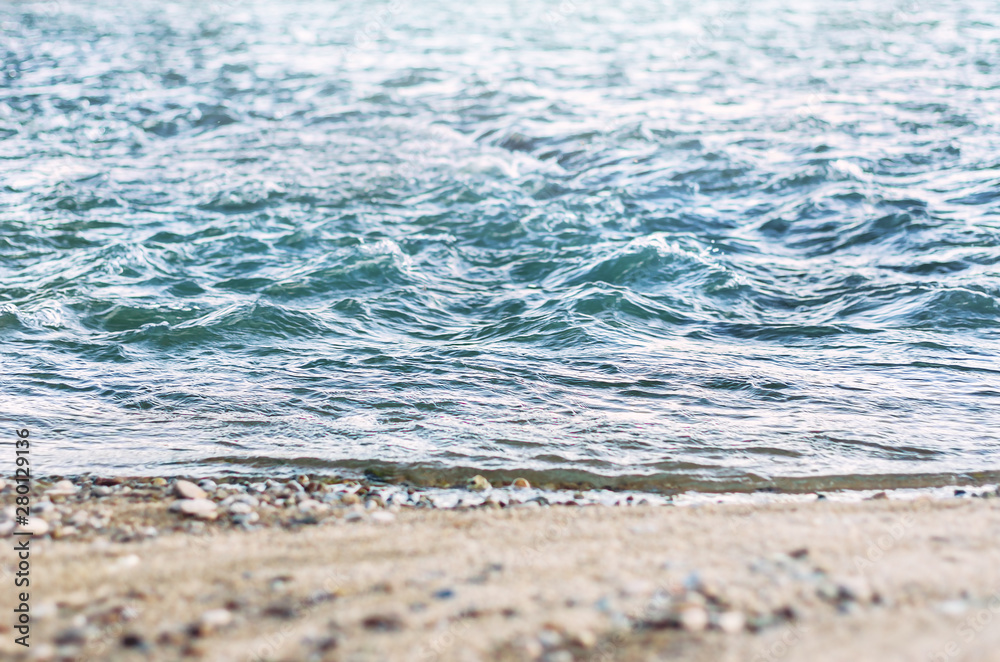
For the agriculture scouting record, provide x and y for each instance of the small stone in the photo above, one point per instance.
(527, 648)
(310, 505)
(550, 638)
(42, 507)
(43, 653)
(62, 488)
(200, 508)
(64, 532)
(72, 637)
(354, 516)
(240, 508)
(479, 484)
(383, 622)
(350, 499)
(101, 491)
(36, 525)
(246, 519)
(731, 622)
(878, 497)
(521, 484)
(185, 489)
(295, 486)
(208, 485)
(382, 517)
(583, 638)
(692, 618)
(79, 518)
(212, 621)
(133, 640)
(158, 482)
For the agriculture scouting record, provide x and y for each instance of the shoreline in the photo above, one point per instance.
(359, 576)
(663, 485)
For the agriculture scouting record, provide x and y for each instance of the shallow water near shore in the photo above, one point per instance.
(666, 246)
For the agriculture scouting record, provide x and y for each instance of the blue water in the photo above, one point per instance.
(672, 243)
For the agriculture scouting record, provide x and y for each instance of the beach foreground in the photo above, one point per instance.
(884, 579)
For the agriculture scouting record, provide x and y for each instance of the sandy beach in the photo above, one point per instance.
(122, 574)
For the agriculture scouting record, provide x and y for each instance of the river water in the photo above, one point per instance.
(670, 244)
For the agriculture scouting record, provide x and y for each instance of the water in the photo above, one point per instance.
(669, 244)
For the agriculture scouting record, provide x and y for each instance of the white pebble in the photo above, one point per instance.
(185, 489)
(200, 508)
(62, 488)
(732, 622)
(382, 517)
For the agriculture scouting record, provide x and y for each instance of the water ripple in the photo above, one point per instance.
(683, 244)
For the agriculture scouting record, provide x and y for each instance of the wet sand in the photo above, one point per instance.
(128, 578)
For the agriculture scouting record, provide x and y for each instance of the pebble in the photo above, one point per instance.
(354, 516)
(200, 508)
(383, 622)
(692, 618)
(79, 518)
(241, 498)
(527, 648)
(212, 621)
(350, 499)
(62, 488)
(240, 508)
(185, 489)
(731, 622)
(42, 507)
(583, 638)
(64, 532)
(479, 484)
(382, 517)
(36, 525)
(43, 653)
(550, 638)
(208, 485)
(521, 484)
(101, 491)
(310, 505)
(158, 482)
(246, 519)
